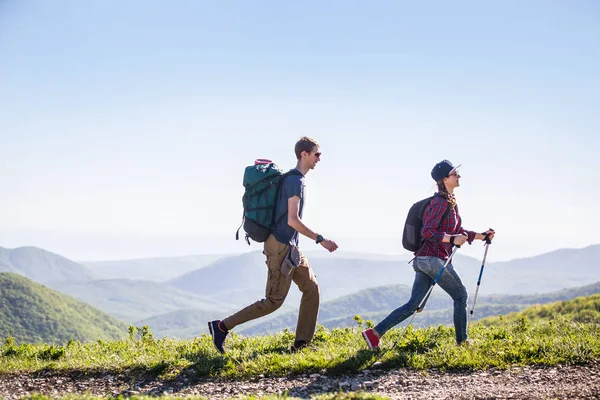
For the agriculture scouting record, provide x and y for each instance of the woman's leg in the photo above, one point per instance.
(450, 281)
(420, 287)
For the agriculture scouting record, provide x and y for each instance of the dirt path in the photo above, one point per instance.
(561, 382)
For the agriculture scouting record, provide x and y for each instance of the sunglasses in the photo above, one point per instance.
(318, 154)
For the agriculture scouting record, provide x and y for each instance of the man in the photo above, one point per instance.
(285, 234)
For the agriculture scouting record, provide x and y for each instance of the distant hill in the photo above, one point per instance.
(581, 309)
(240, 279)
(559, 269)
(373, 303)
(377, 303)
(41, 265)
(132, 300)
(150, 269)
(32, 313)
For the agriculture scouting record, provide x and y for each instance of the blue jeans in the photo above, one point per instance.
(426, 269)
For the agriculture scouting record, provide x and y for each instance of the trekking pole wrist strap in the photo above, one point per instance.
(486, 237)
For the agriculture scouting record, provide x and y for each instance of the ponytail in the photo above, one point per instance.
(444, 193)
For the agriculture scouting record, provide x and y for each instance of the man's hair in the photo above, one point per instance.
(305, 144)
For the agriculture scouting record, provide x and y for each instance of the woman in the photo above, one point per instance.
(439, 234)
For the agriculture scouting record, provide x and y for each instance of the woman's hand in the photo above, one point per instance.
(489, 233)
(458, 240)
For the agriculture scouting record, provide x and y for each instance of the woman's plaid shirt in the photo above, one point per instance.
(434, 229)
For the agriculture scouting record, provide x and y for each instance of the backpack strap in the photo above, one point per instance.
(237, 233)
(444, 216)
(446, 213)
(289, 173)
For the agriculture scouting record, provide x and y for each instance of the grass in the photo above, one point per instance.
(335, 351)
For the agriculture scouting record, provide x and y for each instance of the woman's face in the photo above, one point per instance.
(452, 180)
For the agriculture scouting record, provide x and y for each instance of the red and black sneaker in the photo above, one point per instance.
(371, 339)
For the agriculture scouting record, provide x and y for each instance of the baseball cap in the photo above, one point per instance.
(442, 170)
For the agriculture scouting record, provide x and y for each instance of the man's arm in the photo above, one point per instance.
(295, 222)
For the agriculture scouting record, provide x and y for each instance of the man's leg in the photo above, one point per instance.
(278, 286)
(309, 304)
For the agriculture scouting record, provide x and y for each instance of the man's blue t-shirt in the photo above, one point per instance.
(292, 185)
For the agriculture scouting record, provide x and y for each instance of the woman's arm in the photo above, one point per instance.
(470, 234)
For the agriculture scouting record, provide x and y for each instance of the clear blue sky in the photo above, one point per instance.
(125, 126)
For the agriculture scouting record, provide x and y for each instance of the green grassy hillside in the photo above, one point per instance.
(581, 309)
(32, 313)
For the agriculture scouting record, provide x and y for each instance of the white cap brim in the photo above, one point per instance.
(455, 168)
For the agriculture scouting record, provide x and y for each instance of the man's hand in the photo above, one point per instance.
(330, 245)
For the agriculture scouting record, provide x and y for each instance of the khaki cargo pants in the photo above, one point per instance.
(278, 286)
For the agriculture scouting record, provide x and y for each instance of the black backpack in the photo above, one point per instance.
(411, 235)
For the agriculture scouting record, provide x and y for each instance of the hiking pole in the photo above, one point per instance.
(487, 245)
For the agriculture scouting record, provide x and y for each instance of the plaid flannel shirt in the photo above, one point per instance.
(434, 229)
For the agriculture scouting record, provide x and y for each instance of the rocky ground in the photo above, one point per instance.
(561, 382)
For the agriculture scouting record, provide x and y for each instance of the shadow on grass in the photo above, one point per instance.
(362, 359)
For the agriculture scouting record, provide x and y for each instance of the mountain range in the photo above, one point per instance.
(42, 266)
(239, 280)
(158, 269)
(376, 303)
(213, 286)
(131, 300)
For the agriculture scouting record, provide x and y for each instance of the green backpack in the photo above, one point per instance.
(262, 183)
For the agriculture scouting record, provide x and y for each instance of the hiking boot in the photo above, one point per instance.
(467, 343)
(371, 339)
(298, 345)
(218, 333)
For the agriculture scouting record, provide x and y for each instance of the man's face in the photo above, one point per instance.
(314, 157)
